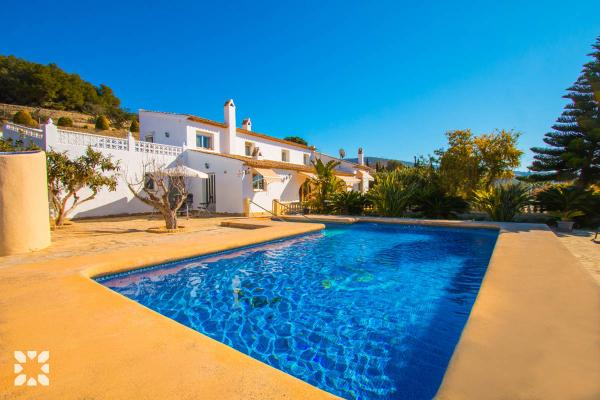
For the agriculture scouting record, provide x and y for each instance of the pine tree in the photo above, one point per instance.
(574, 143)
(135, 126)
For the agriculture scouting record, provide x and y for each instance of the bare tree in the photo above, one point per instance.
(164, 189)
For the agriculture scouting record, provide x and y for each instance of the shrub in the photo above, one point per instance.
(568, 202)
(64, 121)
(102, 123)
(348, 203)
(391, 195)
(135, 126)
(561, 198)
(23, 117)
(502, 202)
(436, 203)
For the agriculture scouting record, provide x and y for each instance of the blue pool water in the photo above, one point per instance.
(365, 311)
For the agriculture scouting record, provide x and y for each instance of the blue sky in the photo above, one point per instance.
(390, 76)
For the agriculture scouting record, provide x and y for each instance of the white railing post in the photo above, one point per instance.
(50, 134)
(130, 141)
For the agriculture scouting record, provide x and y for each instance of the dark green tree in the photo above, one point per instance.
(296, 139)
(135, 126)
(574, 143)
(64, 121)
(37, 85)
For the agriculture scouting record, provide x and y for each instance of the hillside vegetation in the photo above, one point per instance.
(36, 85)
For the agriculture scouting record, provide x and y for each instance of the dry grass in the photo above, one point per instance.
(81, 122)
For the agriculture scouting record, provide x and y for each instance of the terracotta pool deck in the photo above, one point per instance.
(534, 331)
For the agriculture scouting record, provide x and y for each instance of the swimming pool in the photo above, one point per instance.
(369, 311)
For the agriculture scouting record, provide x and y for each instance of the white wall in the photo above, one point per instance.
(286, 189)
(217, 133)
(228, 180)
(157, 124)
(121, 201)
(182, 130)
(270, 150)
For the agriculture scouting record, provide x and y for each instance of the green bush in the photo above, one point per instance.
(102, 123)
(64, 121)
(23, 117)
(502, 202)
(135, 126)
(436, 203)
(569, 202)
(348, 203)
(392, 194)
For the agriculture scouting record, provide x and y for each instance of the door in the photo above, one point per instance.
(210, 193)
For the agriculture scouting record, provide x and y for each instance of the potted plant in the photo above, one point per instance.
(565, 219)
(563, 202)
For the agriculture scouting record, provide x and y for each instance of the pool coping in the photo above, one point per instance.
(519, 342)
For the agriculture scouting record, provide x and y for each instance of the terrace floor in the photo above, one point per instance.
(94, 236)
(583, 246)
(534, 331)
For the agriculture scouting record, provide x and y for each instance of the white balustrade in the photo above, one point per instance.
(87, 139)
(24, 130)
(157, 148)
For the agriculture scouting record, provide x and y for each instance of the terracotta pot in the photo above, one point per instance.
(565, 226)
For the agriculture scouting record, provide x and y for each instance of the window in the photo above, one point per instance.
(149, 138)
(249, 148)
(148, 182)
(258, 182)
(285, 155)
(306, 159)
(204, 141)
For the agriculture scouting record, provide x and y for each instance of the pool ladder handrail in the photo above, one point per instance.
(302, 214)
(269, 211)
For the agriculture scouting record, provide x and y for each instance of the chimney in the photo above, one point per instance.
(228, 146)
(361, 156)
(247, 124)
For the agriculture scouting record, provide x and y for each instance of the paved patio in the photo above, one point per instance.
(108, 234)
(581, 243)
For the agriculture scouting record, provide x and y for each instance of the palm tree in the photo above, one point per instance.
(502, 202)
(323, 185)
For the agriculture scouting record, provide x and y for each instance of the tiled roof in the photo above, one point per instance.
(263, 136)
(206, 121)
(253, 162)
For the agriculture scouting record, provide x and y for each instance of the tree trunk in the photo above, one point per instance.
(170, 219)
(60, 218)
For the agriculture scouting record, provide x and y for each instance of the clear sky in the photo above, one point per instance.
(391, 76)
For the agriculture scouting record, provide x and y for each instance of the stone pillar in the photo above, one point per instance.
(24, 212)
(247, 207)
(50, 134)
(130, 141)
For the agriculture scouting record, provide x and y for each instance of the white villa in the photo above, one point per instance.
(248, 172)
